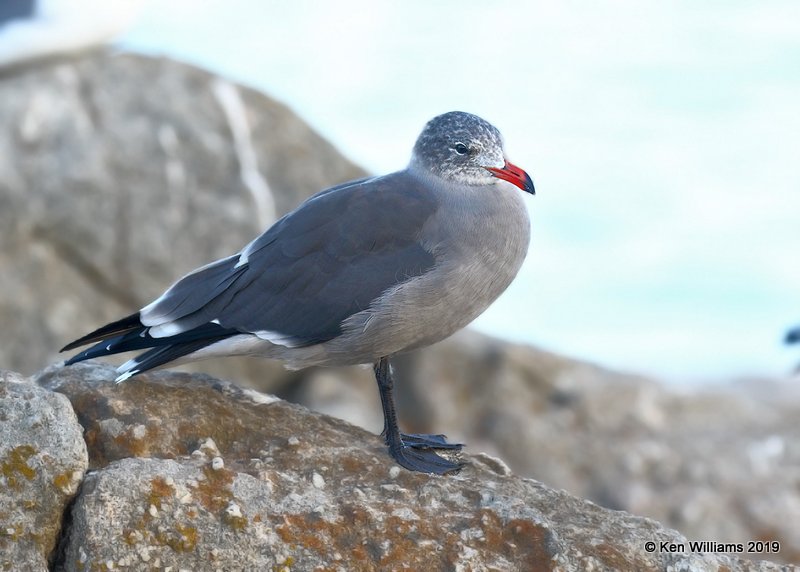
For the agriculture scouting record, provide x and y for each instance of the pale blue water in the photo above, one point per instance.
(664, 140)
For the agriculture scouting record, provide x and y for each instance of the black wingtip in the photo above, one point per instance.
(70, 346)
(793, 336)
(122, 326)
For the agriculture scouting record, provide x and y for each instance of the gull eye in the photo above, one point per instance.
(461, 149)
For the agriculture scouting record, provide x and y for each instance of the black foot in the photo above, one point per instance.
(422, 460)
(425, 441)
(414, 452)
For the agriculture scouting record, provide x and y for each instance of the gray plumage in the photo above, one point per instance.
(357, 273)
(311, 270)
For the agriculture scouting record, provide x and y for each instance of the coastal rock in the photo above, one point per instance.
(716, 463)
(119, 173)
(272, 486)
(171, 414)
(42, 462)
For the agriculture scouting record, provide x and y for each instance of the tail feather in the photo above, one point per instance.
(160, 356)
(141, 339)
(128, 334)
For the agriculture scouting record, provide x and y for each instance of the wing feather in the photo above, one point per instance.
(318, 265)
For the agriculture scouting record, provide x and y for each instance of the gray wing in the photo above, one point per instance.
(318, 265)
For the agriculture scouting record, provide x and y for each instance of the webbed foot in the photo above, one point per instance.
(425, 441)
(422, 459)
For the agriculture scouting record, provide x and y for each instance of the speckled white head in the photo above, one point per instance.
(465, 149)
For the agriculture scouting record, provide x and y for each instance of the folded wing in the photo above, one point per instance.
(295, 284)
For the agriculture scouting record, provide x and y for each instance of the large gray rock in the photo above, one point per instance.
(272, 486)
(120, 173)
(42, 461)
(715, 462)
(712, 464)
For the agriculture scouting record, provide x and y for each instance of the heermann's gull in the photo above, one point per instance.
(356, 274)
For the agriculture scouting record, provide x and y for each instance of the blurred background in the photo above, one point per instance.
(663, 140)
(638, 360)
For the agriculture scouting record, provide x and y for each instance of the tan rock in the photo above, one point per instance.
(301, 491)
(42, 462)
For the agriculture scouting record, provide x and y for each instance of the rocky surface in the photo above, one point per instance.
(715, 463)
(252, 482)
(118, 174)
(42, 462)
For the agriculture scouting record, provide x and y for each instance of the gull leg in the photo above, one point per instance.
(414, 452)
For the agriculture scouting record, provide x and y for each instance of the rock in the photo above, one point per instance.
(272, 486)
(42, 461)
(714, 463)
(118, 174)
(171, 414)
